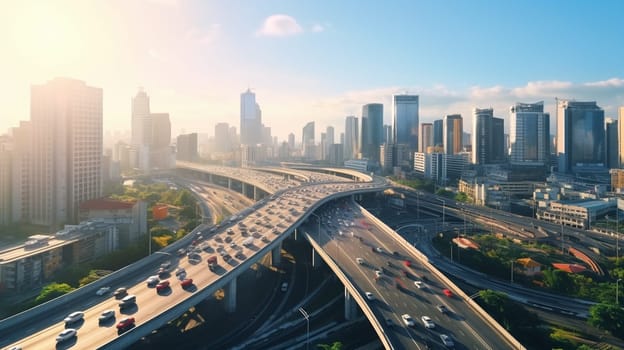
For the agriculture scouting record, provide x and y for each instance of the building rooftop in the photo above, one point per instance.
(106, 204)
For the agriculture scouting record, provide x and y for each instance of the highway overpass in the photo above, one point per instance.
(285, 203)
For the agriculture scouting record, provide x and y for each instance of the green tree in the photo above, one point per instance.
(444, 193)
(52, 291)
(608, 317)
(461, 197)
(334, 346)
(559, 281)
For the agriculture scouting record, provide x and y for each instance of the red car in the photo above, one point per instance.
(448, 293)
(187, 282)
(162, 285)
(407, 263)
(125, 323)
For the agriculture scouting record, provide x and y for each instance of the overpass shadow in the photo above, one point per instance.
(166, 292)
(108, 322)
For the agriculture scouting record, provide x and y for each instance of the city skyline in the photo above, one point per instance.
(305, 63)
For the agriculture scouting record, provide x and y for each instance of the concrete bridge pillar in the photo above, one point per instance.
(276, 255)
(317, 261)
(351, 307)
(255, 193)
(210, 179)
(230, 296)
(229, 183)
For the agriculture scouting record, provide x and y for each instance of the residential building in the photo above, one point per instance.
(66, 146)
(438, 133)
(129, 218)
(308, 144)
(250, 119)
(187, 147)
(6, 170)
(425, 137)
(442, 168)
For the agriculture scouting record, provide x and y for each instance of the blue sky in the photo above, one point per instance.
(313, 60)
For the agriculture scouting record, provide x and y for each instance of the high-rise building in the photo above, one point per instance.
(187, 147)
(580, 137)
(66, 145)
(324, 147)
(387, 134)
(329, 140)
(222, 139)
(351, 138)
(160, 148)
(425, 137)
(141, 119)
(612, 143)
(438, 133)
(487, 137)
(621, 135)
(529, 134)
(250, 119)
(5, 180)
(291, 141)
(405, 120)
(453, 131)
(371, 132)
(307, 139)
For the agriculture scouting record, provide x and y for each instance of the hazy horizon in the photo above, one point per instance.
(306, 61)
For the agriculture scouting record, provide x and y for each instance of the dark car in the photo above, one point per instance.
(163, 285)
(186, 283)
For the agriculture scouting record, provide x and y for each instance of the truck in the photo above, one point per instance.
(212, 262)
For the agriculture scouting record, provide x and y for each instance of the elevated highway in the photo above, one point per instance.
(285, 203)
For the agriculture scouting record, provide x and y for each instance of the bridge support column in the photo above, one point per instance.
(230, 296)
(276, 255)
(317, 261)
(229, 183)
(350, 308)
(255, 193)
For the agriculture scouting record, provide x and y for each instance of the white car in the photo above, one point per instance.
(378, 273)
(74, 317)
(447, 341)
(369, 296)
(66, 334)
(152, 280)
(106, 315)
(359, 261)
(418, 284)
(408, 320)
(426, 320)
(103, 290)
(180, 271)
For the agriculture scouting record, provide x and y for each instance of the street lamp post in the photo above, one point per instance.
(617, 289)
(307, 318)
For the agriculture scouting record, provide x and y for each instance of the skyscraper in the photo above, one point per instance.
(222, 139)
(426, 137)
(187, 147)
(452, 133)
(160, 146)
(387, 136)
(488, 137)
(438, 132)
(66, 118)
(351, 138)
(250, 119)
(307, 140)
(405, 120)
(141, 120)
(580, 137)
(621, 135)
(612, 143)
(371, 132)
(529, 134)
(329, 140)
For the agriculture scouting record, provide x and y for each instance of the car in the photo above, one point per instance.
(408, 320)
(379, 250)
(180, 271)
(17, 347)
(102, 291)
(74, 317)
(419, 284)
(407, 263)
(359, 261)
(428, 322)
(448, 293)
(378, 273)
(128, 300)
(125, 323)
(284, 286)
(447, 341)
(166, 265)
(162, 285)
(152, 281)
(105, 315)
(228, 239)
(120, 292)
(187, 282)
(442, 308)
(369, 296)
(66, 335)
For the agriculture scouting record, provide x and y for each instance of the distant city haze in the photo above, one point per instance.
(318, 61)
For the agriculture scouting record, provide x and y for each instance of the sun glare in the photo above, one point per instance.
(46, 37)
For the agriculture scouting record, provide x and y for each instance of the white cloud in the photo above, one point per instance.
(279, 26)
(317, 28)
